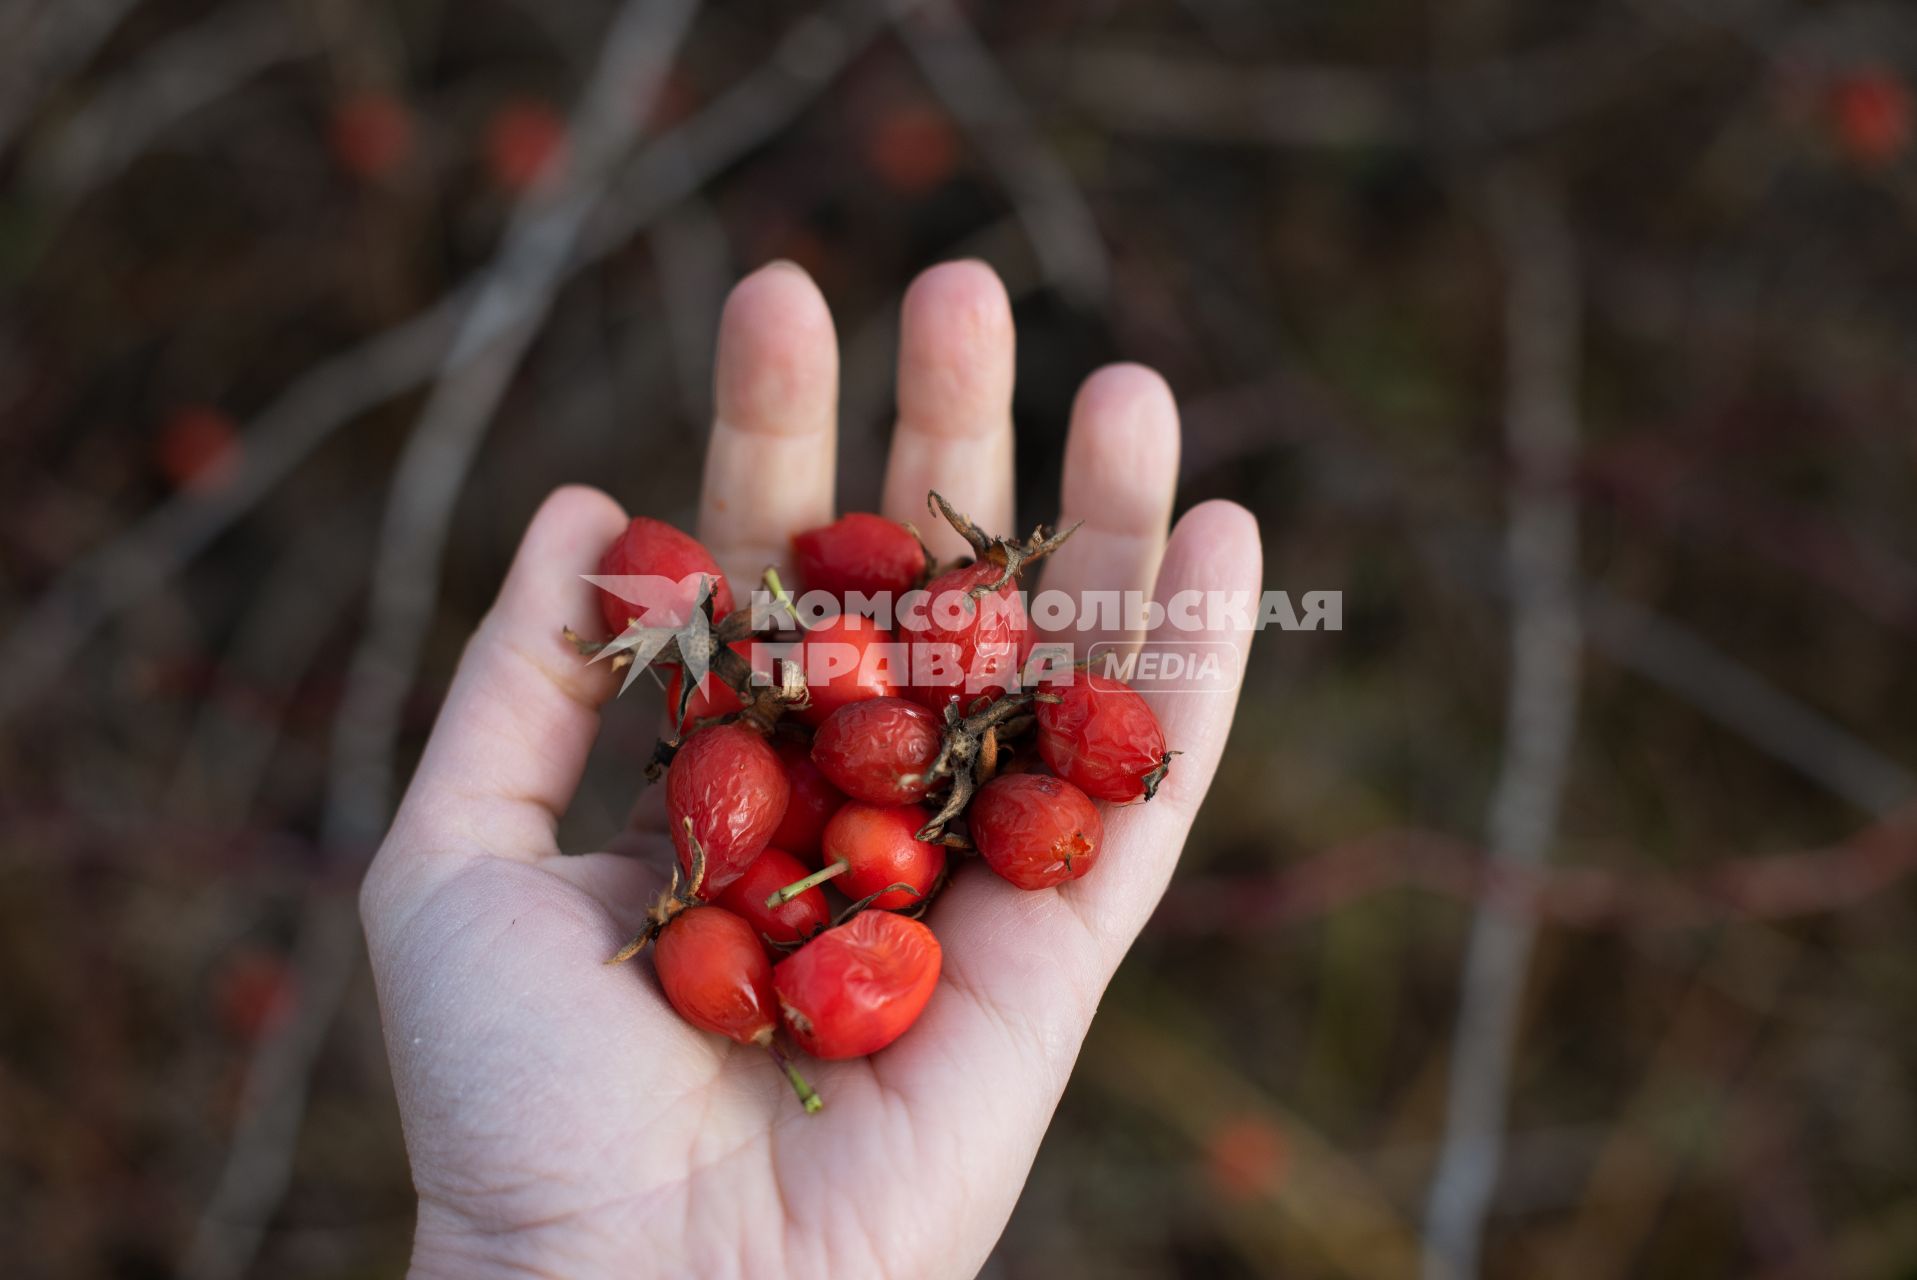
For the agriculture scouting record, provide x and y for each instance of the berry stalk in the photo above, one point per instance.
(837, 867)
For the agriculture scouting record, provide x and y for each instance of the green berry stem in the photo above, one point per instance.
(837, 867)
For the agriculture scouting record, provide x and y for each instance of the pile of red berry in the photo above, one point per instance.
(829, 757)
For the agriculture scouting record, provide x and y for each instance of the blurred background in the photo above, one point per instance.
(1550, 919)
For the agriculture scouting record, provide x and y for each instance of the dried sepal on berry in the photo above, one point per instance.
(677, 896)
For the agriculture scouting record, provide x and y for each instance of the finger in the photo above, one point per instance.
(1214, 549)
(1121, 470)
(1025, 970)
(773, 454)
(954, 432)
(506, 754)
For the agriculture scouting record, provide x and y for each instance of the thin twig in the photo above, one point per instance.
(129, 570)
(1542, 341)
(178, 76)
(693, 258)
(276, 640)
(962, 71)
(1734, 890)
(48, 45)
(1496, 100)
(513, 300)
(1638, 638)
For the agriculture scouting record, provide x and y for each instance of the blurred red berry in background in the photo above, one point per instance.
(198, 448)
(370, 134)
(1871, 113)
(254, 992)
(522, 138)
(1245, 1157)
(913, 149)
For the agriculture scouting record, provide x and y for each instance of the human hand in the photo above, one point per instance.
(561, 1119)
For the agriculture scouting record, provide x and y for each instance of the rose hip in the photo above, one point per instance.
(859, 552)
(1102, 737)
(716, 974)
(653, 549)
(843, 664)
(793, 920)
(857, 988)
(730, 786)
(1035, 831)
(878, 750)
(714, 697)
(870, 849)
(964, 648)
(811, 803)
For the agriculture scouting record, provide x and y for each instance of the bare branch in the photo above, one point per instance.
(693, 258)
(1542, 341)
(514, 297)
(177, 77)
(49, 43)
(124, 574)
(129, 570)
(974, 88)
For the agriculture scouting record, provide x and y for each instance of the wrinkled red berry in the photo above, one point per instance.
(727, 781)
(654, 549)
(878, 750)
(965, 648)
(879, 847)
(1035, 831)
(792, 921)
(1100, 736)
(813, 800)
(716, 974)
(859, 552)
(843, 661)
(857, 988)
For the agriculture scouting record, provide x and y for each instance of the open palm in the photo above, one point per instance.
(560, 1118)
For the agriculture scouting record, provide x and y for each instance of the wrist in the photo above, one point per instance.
(449, 1245)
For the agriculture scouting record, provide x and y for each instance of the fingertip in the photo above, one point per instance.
(1121, 456)
(956, 351)
(565, 538)
(964, 295)
(777, 364)
(577, 508)
(1216, 543)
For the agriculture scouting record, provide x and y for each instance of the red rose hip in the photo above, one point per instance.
(1034, 830)
(713, 698)
(855, 989)
(716, 975)
(731, 787)
(859, 552)
(878, 750)
(964, 648)
(654, 549)
(794, 919)
(1101, 736)
(812, 802)
(843, 661)
(870, 849)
